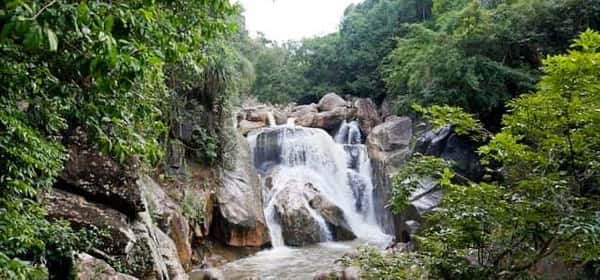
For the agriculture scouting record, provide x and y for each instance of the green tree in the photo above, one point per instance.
(479, 54)
(546, 203)
(99, 65)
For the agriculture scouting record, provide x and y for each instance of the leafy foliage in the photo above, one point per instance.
(101, 65)
(375, 265)
(546, 204)
(410, 177)
(346, 62)
(477, 55)
(463, 123)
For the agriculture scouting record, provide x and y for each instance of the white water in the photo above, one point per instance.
(271, 119)
(340, 170)
(359, 164)
(289, 263)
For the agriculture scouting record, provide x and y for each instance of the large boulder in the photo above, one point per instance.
(257, 114)
(422, 201)
(327, 120)
(445, 143)
(389, 142)
(299, 226)
(98, 177)
(239, 219)
(84, 214)
(331, 213)
(331, 120)
(367, 115)
(304, 109)
(302, 211)
(261, 115)
(140, 246)
(168, 217)
(90, 268)
(330, 102)
(246, 126)
(388, 146)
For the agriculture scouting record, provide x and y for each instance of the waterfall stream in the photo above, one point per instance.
(299, 162)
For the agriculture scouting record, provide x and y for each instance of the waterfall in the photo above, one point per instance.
(338, 168)
(271, 119)
(359, 165)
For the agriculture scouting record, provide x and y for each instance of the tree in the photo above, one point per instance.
(100, 65)
(477, 55)
(545, 205)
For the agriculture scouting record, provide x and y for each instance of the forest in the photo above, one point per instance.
(519, 79)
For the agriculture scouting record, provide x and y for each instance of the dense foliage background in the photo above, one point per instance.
(473, 54)
(544, 205)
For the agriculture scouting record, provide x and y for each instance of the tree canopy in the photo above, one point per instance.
(108, 67)
(544, 204)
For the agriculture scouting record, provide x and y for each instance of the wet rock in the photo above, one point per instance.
(389, 141)
(330, 102)
(304, 109)
(90, 268)
(169, 217)
(367, 115)
(207, 274)
(98, 177)
(333, 215)
(298, 226)
(358, 187)
(169, 254)
(448, 145)
(297, 208)
(239, 218)
(84, 214)
(389, 147)
(331, 120)
(245, 126)
(348, 273)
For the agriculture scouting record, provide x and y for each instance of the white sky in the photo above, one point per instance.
(283, 20)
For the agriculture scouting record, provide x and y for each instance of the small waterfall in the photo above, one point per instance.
(338, 168)
(348, 133)
(359, 165)
(271, 119)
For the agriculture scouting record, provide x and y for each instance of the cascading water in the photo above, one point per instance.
(298, 164)
(271, 119)
(339, 170)
(359, 165)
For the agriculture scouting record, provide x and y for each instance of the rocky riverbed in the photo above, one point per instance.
(305, 184)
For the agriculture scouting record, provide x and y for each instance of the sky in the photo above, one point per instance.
(284, 20)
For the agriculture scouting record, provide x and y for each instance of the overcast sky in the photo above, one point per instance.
(283, 20)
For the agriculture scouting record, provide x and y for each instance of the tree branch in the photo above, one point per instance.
(42, 10)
